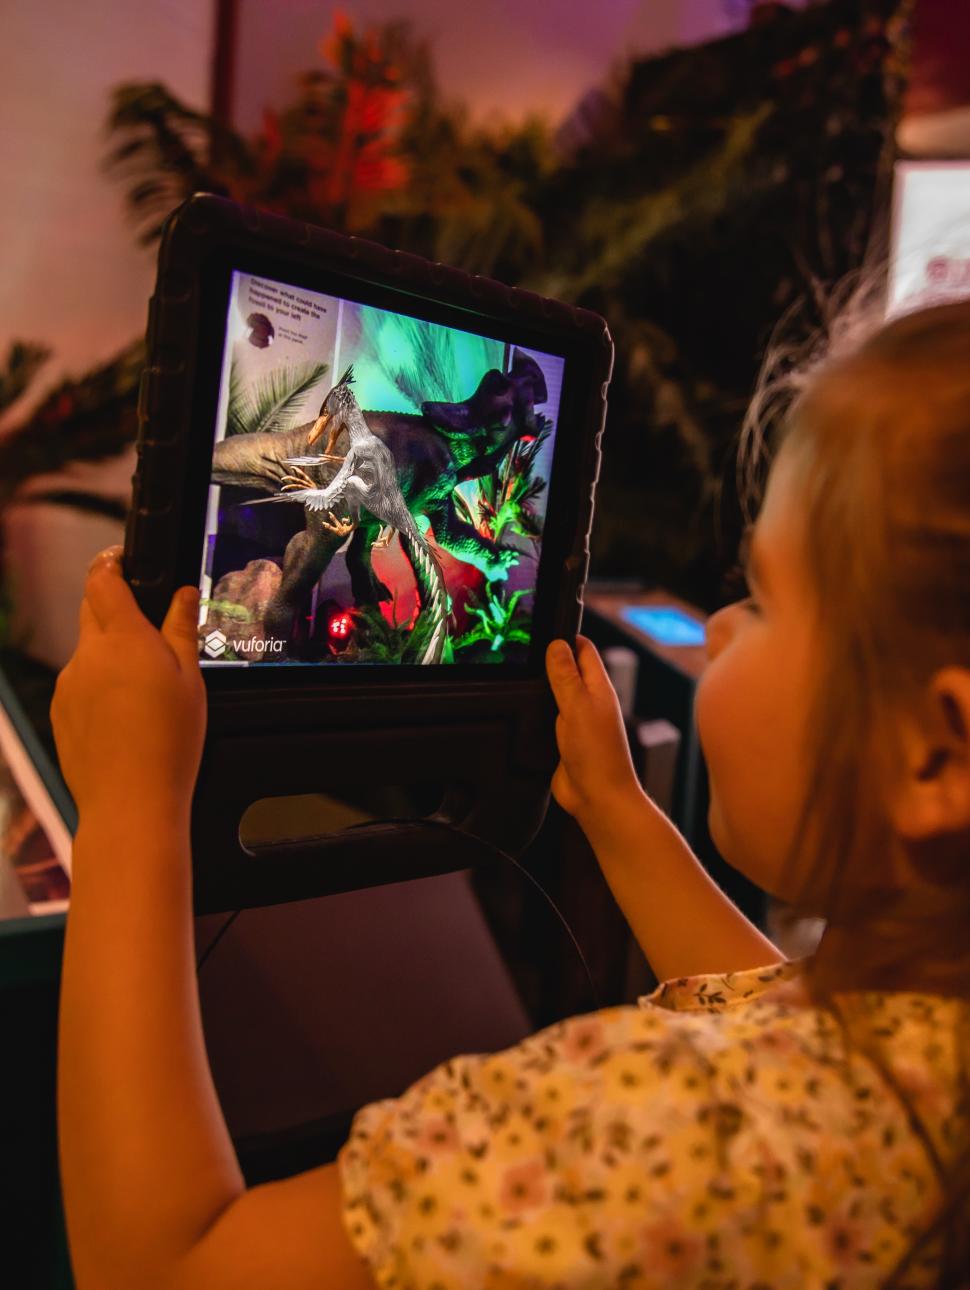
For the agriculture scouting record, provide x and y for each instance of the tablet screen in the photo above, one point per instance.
(379, 486)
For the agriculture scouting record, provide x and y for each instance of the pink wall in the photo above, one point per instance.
(72, 275)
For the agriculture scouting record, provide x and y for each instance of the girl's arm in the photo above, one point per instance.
(682, 920)
(152, 1190)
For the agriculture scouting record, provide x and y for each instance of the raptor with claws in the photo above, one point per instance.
(367, 480)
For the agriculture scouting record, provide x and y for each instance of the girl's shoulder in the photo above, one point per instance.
(718, 991)
(628, 1143)
(772, 1007)
(782, 988)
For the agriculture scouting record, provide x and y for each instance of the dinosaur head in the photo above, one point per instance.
(334, 409)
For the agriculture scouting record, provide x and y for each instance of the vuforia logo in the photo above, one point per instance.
(216, 645)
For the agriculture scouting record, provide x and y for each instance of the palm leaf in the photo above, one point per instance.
(23, 360)
(162, 150)
(237, 415)
(274, 401)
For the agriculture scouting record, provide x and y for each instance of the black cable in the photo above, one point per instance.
(430, 822)
(215, 940)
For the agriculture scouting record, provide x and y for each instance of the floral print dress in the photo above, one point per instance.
(720, 1136)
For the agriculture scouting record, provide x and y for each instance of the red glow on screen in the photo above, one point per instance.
(340, 626)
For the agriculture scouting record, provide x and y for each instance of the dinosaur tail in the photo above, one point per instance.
(432, 592)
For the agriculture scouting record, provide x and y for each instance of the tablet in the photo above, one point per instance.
(368, 463)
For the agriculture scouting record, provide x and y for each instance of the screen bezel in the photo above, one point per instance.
(564, 497)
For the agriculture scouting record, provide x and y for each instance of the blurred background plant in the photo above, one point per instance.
(692, 199)
(367, 146)
(22, 363)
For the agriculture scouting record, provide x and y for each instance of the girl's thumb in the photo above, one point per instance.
(188, 603)
(181, 625)
(562, 672)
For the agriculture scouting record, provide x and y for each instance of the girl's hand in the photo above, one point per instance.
(595, 770)
(129, 710)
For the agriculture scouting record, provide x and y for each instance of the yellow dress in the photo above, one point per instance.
(719, 1136)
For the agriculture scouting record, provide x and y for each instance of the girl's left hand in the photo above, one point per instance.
(129, 710)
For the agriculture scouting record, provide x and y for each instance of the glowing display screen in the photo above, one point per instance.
(665, 624)
(379, 486)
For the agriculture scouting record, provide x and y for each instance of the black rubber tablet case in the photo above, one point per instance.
(490, 740)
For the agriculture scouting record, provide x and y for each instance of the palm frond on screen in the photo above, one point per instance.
(274, 401)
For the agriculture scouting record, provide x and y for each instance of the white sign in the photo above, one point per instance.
(930, 255)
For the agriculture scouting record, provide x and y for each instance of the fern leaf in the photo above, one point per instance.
(273, 402)
(236, 417)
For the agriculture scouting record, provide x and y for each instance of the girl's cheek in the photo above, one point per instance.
(720, 720)
(713, 734)
(720, 698)
(705, 717)
(709, 701)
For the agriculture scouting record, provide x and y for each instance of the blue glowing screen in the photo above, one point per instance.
(665, 624)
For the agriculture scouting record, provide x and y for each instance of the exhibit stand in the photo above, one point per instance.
(310, 1009)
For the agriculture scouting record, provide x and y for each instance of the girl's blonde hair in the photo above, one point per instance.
(877, 422)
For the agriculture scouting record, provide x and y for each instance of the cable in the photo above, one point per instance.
(215, 940)
(430, 822)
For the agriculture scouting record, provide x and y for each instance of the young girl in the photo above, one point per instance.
(753, 1123)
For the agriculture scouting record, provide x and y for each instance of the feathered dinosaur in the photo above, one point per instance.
(366, 481)
(432, 453)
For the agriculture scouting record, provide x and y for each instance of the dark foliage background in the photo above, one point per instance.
(733, 178)
(692, 201)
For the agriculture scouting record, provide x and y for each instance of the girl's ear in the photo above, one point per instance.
(931, 798)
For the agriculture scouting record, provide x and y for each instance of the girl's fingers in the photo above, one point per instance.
(110, 555)
(571, 675)
(562, 672)
(106, 591)
(109, 602)
(181, 627)
(594, 674)
(87, 619)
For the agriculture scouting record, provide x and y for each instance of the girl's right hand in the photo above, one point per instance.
(595, 771)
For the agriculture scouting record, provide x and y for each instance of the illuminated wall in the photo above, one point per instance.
(72, 274)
